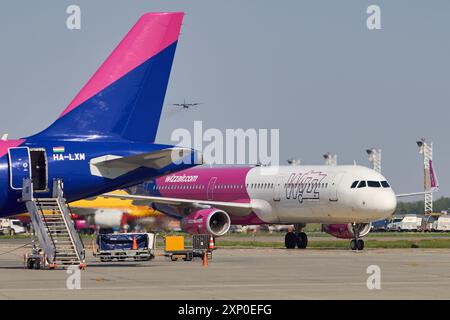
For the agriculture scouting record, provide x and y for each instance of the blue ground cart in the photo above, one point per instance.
(123, 246)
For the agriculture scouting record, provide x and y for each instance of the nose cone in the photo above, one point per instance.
(387, 203)
(377, 205)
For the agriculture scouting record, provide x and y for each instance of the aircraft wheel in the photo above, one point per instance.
(360, 244)
(30, 263)
(290, 240)
(353, 244)
(37, 264)
(302, 240)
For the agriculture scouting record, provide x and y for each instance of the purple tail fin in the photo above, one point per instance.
(123, 100)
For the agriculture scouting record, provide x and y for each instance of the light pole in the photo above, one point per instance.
(426, 149)
(375, 158)
(294, 162)
(330, 159)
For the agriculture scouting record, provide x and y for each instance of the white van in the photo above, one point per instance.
(410, 222)
(442, 224)
(11, 226)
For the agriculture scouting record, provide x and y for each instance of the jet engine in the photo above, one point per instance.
(345, 231)
(107, 218)
(212, 221)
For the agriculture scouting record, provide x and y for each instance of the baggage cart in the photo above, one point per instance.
(175, 247)
(123, 246)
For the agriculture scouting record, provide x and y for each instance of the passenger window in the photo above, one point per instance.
(374, 184)
(362, 184)
(385, 184)
(354, 184)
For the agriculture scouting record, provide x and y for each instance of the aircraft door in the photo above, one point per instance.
(277, 189)
(210, 190)
(19, 166)
(334, 186)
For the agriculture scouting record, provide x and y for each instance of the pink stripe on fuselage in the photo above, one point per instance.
(227, 184)
(216, 184)
(152, 33)
(5, 145)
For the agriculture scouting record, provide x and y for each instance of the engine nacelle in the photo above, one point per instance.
(108, 218)
(345, 231)
(212, 221)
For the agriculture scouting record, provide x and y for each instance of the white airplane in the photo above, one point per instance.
(345, 199)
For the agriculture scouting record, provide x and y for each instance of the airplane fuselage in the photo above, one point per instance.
(71, 161)
(285, 195)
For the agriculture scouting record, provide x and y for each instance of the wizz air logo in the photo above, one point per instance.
(305, 186)
(183, 178)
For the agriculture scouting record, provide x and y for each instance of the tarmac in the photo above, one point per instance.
(240, 274)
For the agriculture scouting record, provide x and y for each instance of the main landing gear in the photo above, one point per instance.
(356, 243)
(296, 238)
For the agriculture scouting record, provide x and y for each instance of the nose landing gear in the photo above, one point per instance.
(356, 243)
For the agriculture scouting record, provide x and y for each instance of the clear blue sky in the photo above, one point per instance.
(310, 68)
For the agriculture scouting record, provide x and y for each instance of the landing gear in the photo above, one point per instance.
(356, 243)
(302, 240)
(290, 240)
(33, 262)
(296, 238)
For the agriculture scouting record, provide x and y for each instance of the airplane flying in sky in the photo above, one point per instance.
(104, 139)
(345, 199)
(186, 105)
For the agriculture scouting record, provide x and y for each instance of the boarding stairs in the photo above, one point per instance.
(53, 227)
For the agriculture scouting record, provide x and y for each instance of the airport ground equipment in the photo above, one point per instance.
(53, 233)
(11, 227)
(123, 246)
(175, 247)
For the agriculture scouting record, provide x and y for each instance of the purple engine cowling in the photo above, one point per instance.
(345, 230)
(211, 221)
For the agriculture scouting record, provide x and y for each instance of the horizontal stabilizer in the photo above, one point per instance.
(113, 166)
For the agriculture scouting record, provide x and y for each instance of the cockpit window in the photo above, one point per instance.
(354, 184)
(385, 184)
(362, 184)
(374, 184)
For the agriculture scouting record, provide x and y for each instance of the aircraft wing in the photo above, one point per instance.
(112, 166)
(431, 183)
(82, 211)
(403, 195)
(239, 209)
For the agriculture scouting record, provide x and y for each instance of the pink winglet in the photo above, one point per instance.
(434, 184)
(152, 33)
(6, 144)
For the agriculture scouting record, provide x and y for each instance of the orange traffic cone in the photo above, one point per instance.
(205, 259)
(211, 243)
(135, 246)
